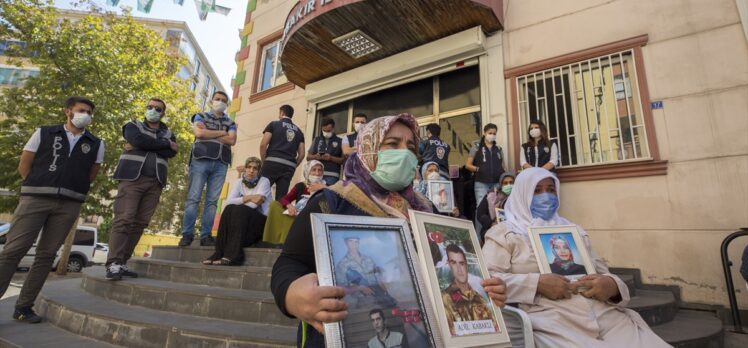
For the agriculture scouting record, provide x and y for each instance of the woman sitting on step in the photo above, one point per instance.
(243, 218)
(589, 312)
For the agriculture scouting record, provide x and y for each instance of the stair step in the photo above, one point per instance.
(14, 334)
(198, 300)
(232, 277)
(630, 283)
(258, 257)
(692, 329)
(66, 305)
(655, 307)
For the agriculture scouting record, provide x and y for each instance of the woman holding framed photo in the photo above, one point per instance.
(589, 312)
(379, 183)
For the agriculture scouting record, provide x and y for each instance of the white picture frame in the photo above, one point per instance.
(384, 276)
(570, 257)
(437, 236)
(441, 193)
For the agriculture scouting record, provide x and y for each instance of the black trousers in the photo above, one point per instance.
(240, 227)
(279, 175)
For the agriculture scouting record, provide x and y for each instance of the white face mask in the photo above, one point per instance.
(327, 135)
(152, 115)
(535, 132)
(358, 126)
(81, 120)
(490, 137)
(219, 106)
(313, 179)
(433, 176)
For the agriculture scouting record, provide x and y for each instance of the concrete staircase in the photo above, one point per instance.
(178, 302)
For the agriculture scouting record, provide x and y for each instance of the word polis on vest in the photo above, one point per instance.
(301, 11)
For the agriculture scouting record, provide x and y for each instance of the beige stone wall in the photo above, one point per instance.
(696, 62)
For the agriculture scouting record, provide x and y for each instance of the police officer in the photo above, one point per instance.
(215, 133)
(433, 149)
(141, 172)
(349, 141)
(281, 151)
(327, 148)
(486, 161)
(57, 165)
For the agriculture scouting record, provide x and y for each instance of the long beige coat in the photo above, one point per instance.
(574, 322)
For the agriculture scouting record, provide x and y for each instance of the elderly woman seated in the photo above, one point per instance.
(283, 211)
(430, 171)
(588, 312)
(243, 218)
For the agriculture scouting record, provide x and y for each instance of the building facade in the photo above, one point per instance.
(647, 101)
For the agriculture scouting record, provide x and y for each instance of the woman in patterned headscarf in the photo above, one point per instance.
(379, 182)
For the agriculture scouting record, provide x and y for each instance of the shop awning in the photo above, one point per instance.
(326, 37)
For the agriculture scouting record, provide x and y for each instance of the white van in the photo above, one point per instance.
(81, 255)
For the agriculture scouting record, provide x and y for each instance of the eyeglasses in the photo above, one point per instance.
(158, 108)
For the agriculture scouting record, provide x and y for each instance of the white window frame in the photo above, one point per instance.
(276, 79)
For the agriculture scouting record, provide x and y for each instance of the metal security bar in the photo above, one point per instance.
(592, 109)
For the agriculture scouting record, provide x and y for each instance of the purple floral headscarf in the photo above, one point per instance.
(358, 168)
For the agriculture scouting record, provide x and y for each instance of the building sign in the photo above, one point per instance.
(302, 10)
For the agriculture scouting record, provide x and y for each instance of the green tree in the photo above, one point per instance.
(116, 62)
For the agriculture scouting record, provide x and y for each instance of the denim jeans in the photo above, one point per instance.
(203, 172)
(481, 190)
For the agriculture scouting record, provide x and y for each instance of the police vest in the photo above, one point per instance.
(131, 162)
(332, 146)
(490, 163)
(54, 173)
(541, 152)
(352, 139)
(212, 148)
(436, 150)
(284, 144)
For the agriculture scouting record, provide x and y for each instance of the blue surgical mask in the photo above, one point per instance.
(544, 205)
(395, 169)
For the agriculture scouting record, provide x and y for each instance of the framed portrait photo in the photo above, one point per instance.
(453, 266)
(561, 250)
(375, 261)
(440, 192)
(500, 216)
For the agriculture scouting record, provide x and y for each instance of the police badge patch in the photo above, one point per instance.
(334, 144)
(440, 152)
(290, 134)
(85, 148)
(546, 149)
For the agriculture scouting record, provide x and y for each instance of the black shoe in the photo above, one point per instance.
(185, 241)
(126, 272)
(207, 241)
(26, 315)
(114, 272)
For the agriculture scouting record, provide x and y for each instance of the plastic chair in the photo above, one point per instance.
(519, 327)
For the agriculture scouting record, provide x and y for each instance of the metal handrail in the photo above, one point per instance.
(726, 264)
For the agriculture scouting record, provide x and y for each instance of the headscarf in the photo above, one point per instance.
(564, 264)
(308, 169)
(495, 198)
(517, 208)
(359, 167)
(251, 183)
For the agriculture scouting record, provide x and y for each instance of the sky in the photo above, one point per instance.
(218, 36)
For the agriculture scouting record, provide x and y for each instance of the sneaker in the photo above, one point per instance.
(27, 315)
(126, 272)
(185, 241)
(207, 241)
(114, 272)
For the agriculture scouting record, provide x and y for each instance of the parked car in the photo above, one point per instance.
(81, 255)
(102, 252)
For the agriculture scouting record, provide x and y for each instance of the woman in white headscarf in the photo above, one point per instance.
(587, 313)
